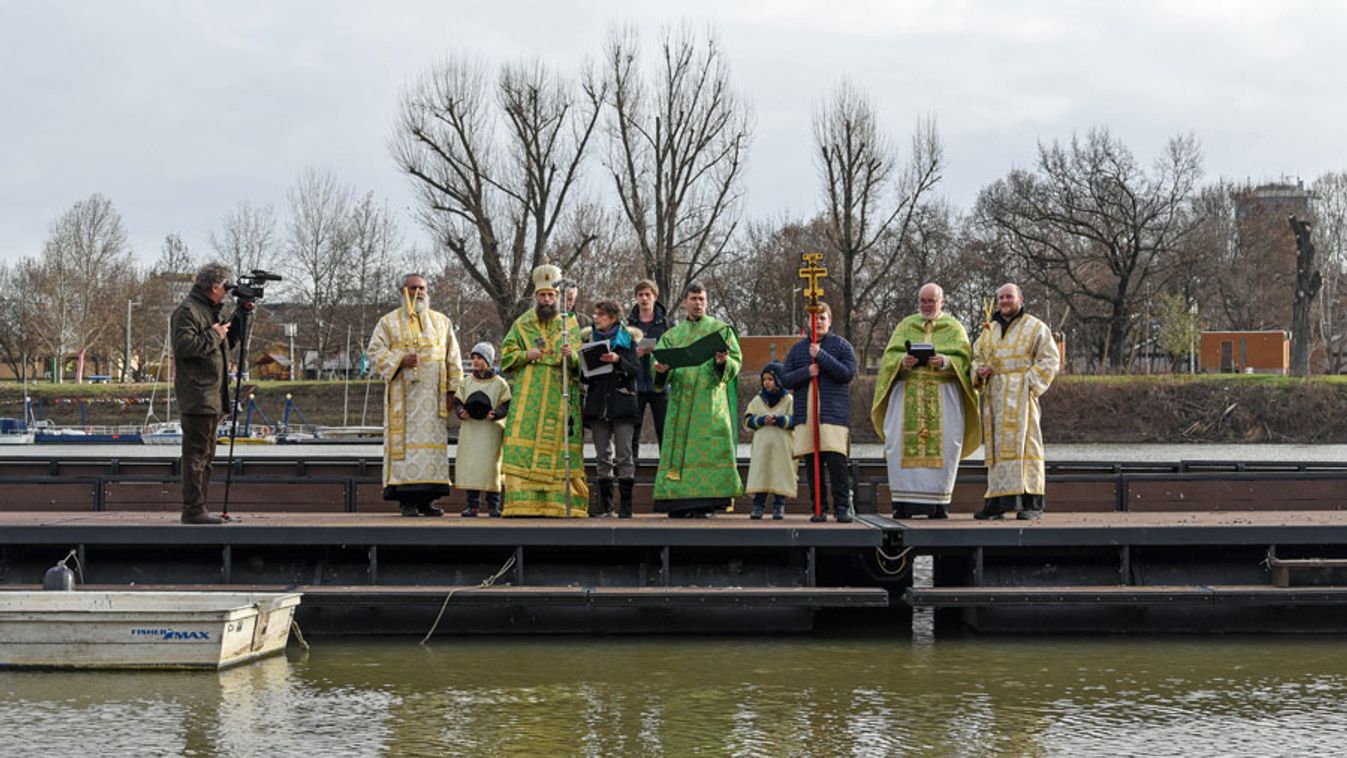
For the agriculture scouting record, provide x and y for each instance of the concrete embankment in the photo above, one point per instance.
(1078, 409)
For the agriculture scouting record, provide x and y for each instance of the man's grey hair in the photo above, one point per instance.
(211, 274)
(409, 275)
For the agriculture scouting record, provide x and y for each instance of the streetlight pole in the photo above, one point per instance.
(126, 362)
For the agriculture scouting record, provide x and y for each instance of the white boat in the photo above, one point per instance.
(135, 630)
(162, 433)
(14, 431)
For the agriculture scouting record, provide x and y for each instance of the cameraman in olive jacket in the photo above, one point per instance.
(201, 369)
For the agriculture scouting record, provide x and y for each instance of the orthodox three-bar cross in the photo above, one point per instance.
(812, 271)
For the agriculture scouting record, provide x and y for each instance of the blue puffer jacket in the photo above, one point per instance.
(837, 367)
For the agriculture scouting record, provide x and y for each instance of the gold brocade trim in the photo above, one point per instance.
(397, 421)
(923, 427)
(426, 446)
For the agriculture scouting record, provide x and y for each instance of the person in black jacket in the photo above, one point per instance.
(201, 342)
(610, 403)
(649, 317)
(835, 368)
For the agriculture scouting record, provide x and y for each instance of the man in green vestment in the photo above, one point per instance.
(537, 431)
(698, 472)
(924, 408)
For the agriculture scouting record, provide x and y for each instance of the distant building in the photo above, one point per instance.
(1266, 352)
(1275, 201)
(759, 350)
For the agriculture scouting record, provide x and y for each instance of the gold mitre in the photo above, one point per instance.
(546, 278)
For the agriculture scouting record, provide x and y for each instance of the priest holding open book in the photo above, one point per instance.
(924, 408)
(698, 363)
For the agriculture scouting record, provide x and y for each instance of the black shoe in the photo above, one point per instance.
(901, 511)
(429, 510)
(986, 515)
(818, 518)
(844, 515)
(778, 511)
(410, 511)
(939, 512)
(469, 512)
(1029, 515)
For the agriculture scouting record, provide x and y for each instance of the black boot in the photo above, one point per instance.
(199, 515)
(991, 511)
(429, 508)
(759, 505)
(605, 497)
(624, 488)
(408, 509)
(474, 499)
(493, 504)
(941, 511)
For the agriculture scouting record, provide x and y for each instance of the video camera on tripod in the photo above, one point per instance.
(246, 291)
(250, 286)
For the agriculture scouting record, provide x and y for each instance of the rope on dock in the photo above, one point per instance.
(299, 636)
(900, 559)
(487, 582)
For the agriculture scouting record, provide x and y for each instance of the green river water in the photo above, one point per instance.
(671, 696)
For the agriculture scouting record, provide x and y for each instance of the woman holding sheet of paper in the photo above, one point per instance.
(609, 369)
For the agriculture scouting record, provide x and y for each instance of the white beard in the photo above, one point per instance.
(421, 305)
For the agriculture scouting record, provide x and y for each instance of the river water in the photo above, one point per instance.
(708, 696)
(770, 696)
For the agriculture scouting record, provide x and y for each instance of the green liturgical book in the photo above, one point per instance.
(695, 354)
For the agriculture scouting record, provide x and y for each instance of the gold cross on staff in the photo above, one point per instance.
(813, 271)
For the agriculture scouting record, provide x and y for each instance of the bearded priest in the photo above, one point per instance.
(544, 419)
(416, 352)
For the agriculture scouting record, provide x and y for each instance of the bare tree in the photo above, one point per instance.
(1090, 225)
(174, 257)
(376, 244)
(757, 289)
(18, 340)
(318, 251)
(496, 176)
(870, 212)
(1308, 281)
(246, 238)
(85, 252)
(1329, 204)
(677, 144)
(1241, 255)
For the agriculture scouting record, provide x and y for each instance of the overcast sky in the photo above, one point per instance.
(179, 110)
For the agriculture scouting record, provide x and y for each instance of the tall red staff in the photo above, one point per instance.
(812, 271)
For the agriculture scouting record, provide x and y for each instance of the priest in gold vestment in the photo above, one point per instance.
(415, 350)
(537, 429)
(1014, 362)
